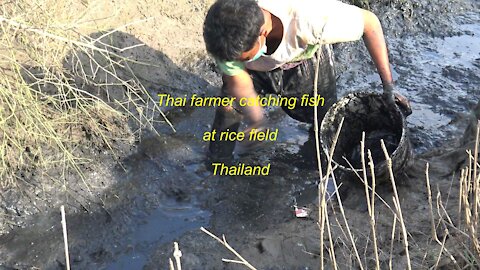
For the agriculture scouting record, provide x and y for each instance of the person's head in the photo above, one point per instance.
(232, 29)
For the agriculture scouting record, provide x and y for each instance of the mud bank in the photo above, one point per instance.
(165, 193)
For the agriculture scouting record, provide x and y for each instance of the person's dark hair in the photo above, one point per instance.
(232, 27)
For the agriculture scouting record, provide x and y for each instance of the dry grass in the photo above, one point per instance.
(62, 91)
(470, 202)
(224, 242)
(463, 252)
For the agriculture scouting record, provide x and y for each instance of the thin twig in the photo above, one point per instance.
(429, 191)
(333, 258)
(177, 254)
(65, 239)
(441, 249)
(392, 240)
(232, 261)
(476, 185)
(350, 235)
(321, 192)
(224, 243)
(462, 176)
(396, 202)
(370, 188)
(372, 207)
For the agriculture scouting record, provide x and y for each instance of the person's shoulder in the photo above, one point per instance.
(230, 68)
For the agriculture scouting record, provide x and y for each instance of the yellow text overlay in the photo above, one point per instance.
(240, 169)
(253, 135)
(264, 101)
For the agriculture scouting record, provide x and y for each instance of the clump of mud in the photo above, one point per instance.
(372, 143)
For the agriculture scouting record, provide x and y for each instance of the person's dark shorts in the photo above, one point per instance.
(299, 80)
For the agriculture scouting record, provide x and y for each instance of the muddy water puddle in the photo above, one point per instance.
(441, 78)
(161, 226)
(152, 203)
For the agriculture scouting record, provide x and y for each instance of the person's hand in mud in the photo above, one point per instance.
(375, 43)
(393, 97)
(249, 146)
(241, 87)
(228, 118)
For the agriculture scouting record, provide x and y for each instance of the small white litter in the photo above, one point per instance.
(301, 212)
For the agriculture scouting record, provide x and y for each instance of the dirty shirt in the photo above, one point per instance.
(307, 24)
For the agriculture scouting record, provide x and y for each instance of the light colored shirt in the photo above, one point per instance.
(307, 24)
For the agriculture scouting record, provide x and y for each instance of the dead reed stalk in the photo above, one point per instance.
(224, 242)
(371, 206)
(470, 195)
(396, 202)
(65, 237)
(177, 254)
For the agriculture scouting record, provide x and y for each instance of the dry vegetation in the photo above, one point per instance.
(64, 93)
(461, 251)
(463, 254)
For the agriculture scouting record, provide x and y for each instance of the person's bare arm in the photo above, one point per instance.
(375, 43)
(241, 86)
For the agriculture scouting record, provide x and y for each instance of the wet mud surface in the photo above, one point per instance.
(438, 74)
(166, 192)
